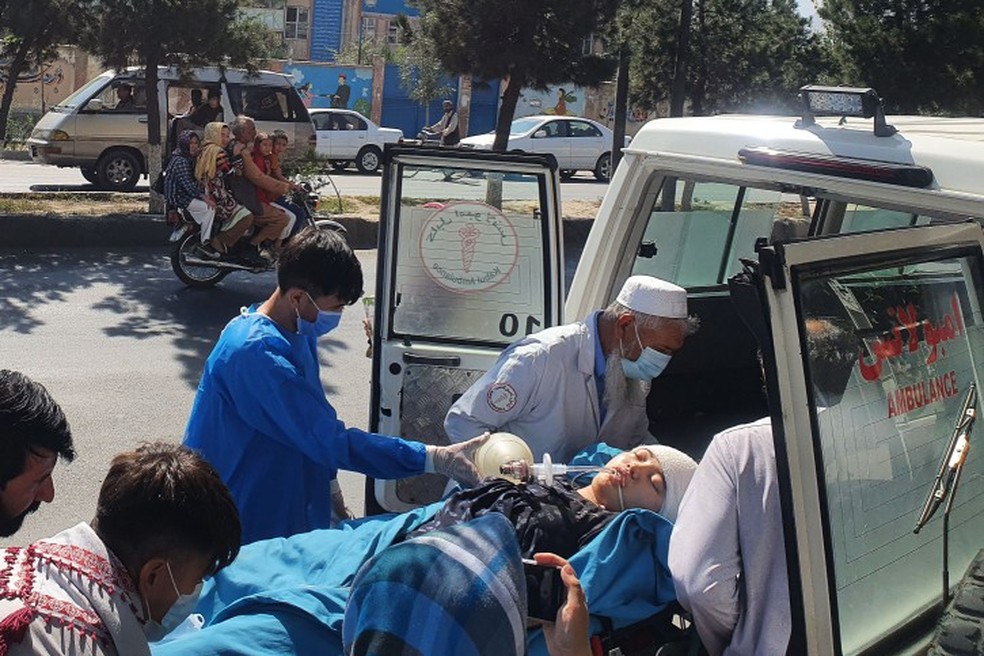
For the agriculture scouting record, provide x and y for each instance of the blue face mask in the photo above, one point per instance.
(650, 363)
(324, 324)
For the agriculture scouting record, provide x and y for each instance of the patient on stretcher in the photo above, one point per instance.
(561, 518)
(289, 595)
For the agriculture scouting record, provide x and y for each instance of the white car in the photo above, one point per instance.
(579, 144)
(345, 136)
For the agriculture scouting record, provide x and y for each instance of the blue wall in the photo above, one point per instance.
(389, 7)
(399, 111)
(484, 107)
(326, 29)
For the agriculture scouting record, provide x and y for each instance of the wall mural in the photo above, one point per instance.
(566, 100)
(322, 85)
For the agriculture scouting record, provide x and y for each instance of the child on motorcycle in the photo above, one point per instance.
(280, 143)
(263, 158)
(211, 168)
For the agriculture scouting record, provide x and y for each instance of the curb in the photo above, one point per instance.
(20, 155)
(150, 230)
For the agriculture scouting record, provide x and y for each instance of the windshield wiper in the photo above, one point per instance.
(948, 478)
(953, 458)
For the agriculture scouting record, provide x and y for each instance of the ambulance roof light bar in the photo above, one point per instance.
(843, 101)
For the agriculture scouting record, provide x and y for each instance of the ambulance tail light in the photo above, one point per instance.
(906, 175)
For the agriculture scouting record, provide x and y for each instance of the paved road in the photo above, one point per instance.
(23, 176)
(120, 343)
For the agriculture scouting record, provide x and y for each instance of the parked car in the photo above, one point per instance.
(107, 139)
(769, 222)
(345, 136)
(579, 144)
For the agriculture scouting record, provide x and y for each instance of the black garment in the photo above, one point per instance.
(205, 114)
(551, 518)
(340, 99)
(452, 138)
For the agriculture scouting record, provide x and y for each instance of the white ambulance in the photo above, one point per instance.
(841, 213)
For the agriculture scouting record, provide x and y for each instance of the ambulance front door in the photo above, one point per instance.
(878, 341)
(469, 260)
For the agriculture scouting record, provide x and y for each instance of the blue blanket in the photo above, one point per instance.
(288, 595)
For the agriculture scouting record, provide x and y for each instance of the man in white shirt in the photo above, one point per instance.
(570, 386)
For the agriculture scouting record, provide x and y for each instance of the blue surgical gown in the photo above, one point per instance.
(261, 418)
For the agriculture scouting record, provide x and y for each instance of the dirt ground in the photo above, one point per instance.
(95, 204)
(99, 204)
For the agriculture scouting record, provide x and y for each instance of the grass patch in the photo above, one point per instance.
(82, 204)
(103, 203)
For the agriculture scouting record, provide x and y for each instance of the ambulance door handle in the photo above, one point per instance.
(436, 361)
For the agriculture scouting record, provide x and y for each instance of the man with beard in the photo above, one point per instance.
(570, 386)
(33, 434)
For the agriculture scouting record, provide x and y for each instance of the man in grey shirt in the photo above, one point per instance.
(727, 554)
(727, 551)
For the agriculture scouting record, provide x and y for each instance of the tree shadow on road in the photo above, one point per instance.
(140, 293)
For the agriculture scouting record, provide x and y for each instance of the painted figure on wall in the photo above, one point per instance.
(341, 96)
(333, 86)
(555, 101)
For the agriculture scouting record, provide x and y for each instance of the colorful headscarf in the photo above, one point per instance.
(207, 164)
(184, 143)
(460, 590)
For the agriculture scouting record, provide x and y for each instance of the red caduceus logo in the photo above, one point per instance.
(469, 238)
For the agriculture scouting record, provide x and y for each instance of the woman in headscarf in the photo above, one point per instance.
(211, 167)
(183, 191)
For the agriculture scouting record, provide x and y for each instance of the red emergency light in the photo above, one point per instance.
(906, 175)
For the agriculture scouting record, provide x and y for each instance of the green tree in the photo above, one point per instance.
(742, 55)
(182, 34)
(920, 56)
(533, 43)
(421, 72)
(31, 32)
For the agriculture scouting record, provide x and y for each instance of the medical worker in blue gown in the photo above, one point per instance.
(261, 416)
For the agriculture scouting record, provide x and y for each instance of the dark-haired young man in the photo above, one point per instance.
(261, 416)
(164, 521)
(33, 435)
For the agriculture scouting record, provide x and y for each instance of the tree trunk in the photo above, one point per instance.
(13, 72)
(700, 77)
(507, 110)
(621, 104)
(678, 90)
(153, 133)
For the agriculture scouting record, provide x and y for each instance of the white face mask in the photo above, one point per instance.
(179, 611)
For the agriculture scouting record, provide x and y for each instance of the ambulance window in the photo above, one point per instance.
(467, 267)
(890, 355)
(861, 218)
(701, 229)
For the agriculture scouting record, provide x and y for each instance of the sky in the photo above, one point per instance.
(806, 8)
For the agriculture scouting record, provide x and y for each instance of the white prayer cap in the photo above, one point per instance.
(655, 297)
(678, 469)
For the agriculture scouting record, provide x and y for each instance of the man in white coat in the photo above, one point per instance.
(570, 386)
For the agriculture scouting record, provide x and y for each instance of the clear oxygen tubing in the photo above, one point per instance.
(527, 471)
(545, 471)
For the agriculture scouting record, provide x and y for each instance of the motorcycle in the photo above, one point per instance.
(195, 270)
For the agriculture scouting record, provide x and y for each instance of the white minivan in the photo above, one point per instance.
(102, 127)
(767, 221)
